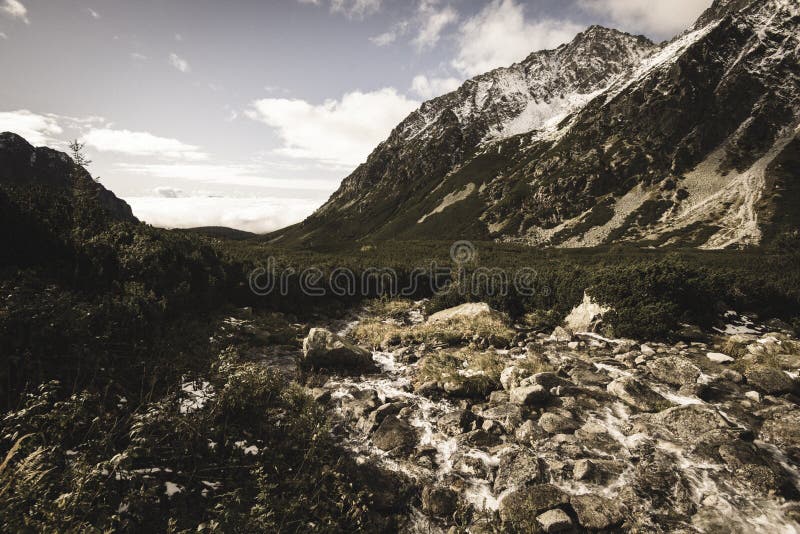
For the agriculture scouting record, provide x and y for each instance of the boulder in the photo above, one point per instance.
(360, 402)
(561, 335)
(516, 468)
(556, 424)
(535, 395)
(595, 512)
(674, 370)
(394, 433)
(783, 431)
(457, 422)
(689, 422)
(509, 416)
(322, 349)
(637, 394)
(586, 316)
(770, 381)
(554, 521)
(470, 310)
(511, 376)
(438, 501)
(519, 507)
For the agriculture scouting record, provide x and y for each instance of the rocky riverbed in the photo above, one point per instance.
(573, 431)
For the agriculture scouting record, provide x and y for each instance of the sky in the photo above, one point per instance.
(249, 113)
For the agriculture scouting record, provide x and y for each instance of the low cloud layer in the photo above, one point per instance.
(257, 215)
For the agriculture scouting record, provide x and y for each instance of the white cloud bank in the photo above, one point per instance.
(257, 215)
(428, 88)
(500, 35)
(15, 9)
(336, 132)
(141, 144)
(35, 128)
(662, 19)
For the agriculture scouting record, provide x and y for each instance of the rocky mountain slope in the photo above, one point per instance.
(607, 139)
(45, 198)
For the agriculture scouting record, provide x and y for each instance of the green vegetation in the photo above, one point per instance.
(104, 321)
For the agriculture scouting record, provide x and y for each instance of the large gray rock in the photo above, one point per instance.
(586, 316)
(782, 429)
(509, 416)
(394, 433)
(595, 512)
(674, 370)
(322, 349)
(470, 310)
(770, 381)
(438, 501)
(637, 394)
(517, 468)
(534, 395)
(689, 422)
(519, 508)
(556, 424)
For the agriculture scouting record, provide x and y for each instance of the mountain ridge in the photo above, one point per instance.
(621, 165)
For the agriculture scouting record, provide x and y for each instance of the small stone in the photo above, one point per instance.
(556, 424)
(535, 395)
(718, 357)
(754, 396)
(582, 470)
(573, 345)
(554, 521)
(647, 350)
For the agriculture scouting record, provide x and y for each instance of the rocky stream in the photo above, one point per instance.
(612, 436)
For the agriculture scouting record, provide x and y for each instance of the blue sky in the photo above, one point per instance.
(248, 113)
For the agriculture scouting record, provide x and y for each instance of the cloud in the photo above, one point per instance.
(390, 36)
(136, 56)
(141, 144)
(3, 36)
(94, 14)
(37, 129)
(337, 132)
(168, 192)
(355, 8)
(179, 63)
(433, 23)
(258, 215)
(15, 10)
(428, 88)
(500, 35)
(250, 175)
(663, 19)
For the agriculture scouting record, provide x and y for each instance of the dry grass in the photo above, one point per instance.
(469, 372)
(378, 331)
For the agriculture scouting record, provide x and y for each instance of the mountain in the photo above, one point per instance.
(45, 199)
(607, 139)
